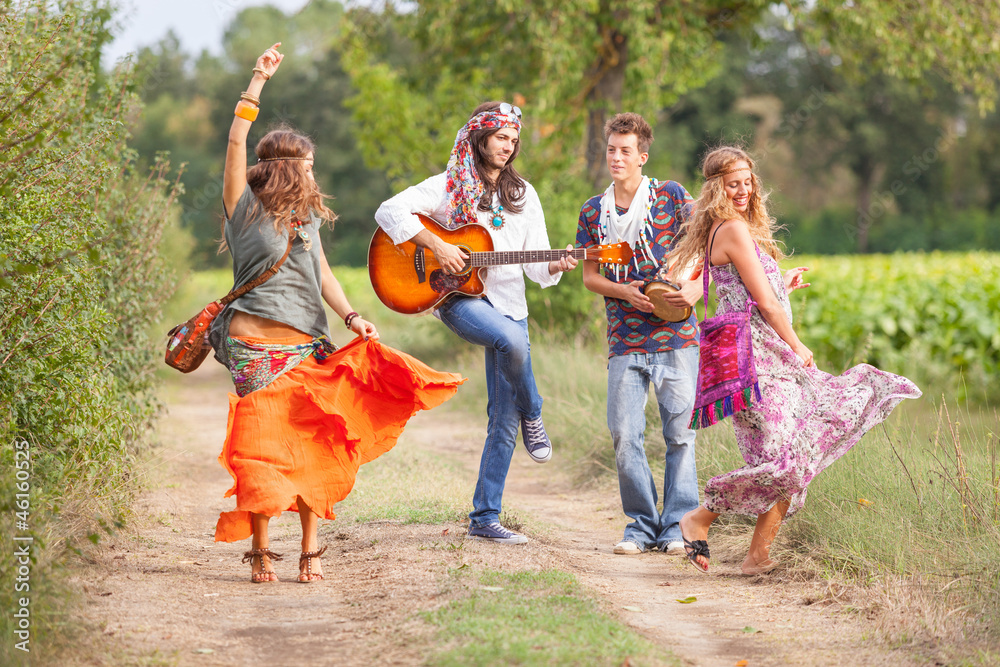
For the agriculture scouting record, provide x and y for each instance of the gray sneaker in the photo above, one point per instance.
(494, 532)
(536, 441)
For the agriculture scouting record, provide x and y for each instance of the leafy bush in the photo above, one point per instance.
(82, 277)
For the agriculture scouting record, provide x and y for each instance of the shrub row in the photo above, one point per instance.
(82, 277)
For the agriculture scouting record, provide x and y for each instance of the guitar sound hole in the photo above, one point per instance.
(443, 283)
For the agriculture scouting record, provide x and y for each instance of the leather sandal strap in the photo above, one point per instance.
(253, 553)
(311, 554)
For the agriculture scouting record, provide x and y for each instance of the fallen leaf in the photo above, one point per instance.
(688, 600)
(494, 589)
(865, 502)
(445, 531)
(630, 608)
(742, 663)
(749, 629)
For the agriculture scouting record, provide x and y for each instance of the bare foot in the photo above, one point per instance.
(695, 535)
(751, 566)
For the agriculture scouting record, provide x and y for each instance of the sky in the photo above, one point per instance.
(199, 24)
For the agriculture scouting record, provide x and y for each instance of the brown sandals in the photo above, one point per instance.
(262, 576)
(307, 556)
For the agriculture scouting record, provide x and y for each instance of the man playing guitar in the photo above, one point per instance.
(482, 186)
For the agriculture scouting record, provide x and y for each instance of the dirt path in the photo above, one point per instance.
(170, 595)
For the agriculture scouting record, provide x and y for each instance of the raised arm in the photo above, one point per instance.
(234, 180)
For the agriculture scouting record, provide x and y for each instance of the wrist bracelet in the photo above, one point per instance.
(252, 99)
(350, 318)
(246, 111)
(262, 72)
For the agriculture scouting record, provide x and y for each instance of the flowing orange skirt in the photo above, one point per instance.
(307, 433)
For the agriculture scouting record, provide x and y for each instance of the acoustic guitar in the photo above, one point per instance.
(408, 279)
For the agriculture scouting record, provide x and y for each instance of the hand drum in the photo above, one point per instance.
(657, 290)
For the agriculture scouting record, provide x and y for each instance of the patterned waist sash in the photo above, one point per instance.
(256, 365)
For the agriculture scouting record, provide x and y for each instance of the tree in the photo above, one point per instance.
(575, 61)
(889, 133)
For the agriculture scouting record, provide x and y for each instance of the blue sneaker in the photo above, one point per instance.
(536, 440)
(494, 532)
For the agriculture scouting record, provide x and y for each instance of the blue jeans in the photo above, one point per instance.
(674, 377)
(510, 387)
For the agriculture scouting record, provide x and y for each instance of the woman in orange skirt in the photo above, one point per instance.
(305, 415)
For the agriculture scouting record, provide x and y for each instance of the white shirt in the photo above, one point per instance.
(521, 231)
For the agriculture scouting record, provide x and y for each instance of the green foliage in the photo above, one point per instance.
(81, 280)
(934, 317)
(535, 618)
(908, 39)
(570, 63)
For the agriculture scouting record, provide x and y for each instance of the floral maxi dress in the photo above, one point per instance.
(807, 418)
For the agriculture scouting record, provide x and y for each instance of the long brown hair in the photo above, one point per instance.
(284, 189)
(509, 186)
(713, 204)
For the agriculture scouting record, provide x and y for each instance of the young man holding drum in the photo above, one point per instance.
(644, 348)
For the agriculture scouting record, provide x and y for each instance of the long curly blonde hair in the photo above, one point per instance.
(713, 204)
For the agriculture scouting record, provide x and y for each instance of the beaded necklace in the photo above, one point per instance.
(642, 244)
(307, 243)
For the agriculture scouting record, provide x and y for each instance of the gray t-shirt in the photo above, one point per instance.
(293, 296)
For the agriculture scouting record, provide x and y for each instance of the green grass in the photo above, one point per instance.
(534, 618)
(408, 486)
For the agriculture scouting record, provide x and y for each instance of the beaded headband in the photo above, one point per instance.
(731, 171)
(270, 159)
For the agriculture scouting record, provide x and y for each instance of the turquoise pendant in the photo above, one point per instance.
(497, 222)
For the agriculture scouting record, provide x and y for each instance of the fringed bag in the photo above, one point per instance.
(727, 377)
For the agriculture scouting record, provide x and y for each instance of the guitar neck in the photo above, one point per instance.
(499, 258)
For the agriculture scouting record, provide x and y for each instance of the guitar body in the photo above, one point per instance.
(408, 278)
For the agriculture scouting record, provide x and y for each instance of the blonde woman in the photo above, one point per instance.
(807, 418)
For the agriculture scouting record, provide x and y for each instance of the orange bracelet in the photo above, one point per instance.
(246, 111)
